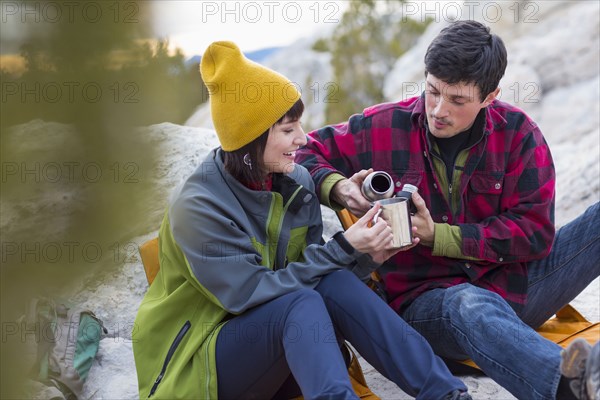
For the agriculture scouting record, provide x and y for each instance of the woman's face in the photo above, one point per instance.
(283, 141)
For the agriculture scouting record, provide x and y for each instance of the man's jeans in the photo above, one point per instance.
(465, 321)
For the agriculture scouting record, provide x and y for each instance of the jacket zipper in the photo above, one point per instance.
(277, 233)
(449, 199)
(285, 208)
(170, 353)
(452, 176)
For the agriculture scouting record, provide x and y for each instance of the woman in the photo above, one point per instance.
(249, 302)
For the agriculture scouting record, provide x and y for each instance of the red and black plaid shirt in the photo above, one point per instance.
(506, 215)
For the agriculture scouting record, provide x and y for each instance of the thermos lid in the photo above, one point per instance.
(409, 188)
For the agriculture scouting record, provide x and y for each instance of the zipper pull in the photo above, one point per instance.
(450, 188)
(155, 386)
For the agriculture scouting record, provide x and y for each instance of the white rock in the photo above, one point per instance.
(559, 40)
(201, 118)
(521, 87)
(563, 46)
(407, 79)
(569, 112)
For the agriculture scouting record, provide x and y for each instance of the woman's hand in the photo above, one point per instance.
(375, 239)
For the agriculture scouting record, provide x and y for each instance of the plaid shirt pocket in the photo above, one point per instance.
(484, 198)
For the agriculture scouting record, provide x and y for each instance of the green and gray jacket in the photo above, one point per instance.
(223, 249)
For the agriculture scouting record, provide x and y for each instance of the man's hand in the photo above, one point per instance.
(422, 221)
(347, 193)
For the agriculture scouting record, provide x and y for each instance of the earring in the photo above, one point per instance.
(247, 160)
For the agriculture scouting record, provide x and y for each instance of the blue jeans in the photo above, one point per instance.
(466, 321)
(293, 341)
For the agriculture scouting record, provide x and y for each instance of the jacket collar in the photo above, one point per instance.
(282, 184)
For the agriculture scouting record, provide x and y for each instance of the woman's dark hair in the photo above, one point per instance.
(234, 160)
(467, 52)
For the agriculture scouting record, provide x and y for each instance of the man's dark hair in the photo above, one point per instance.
(467, 52)
(234, 160)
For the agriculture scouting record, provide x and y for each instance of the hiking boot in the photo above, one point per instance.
(581, 363)
(458, 395)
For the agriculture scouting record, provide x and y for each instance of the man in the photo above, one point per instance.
(486, 271)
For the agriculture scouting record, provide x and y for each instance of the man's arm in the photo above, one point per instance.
(334, 153)
(347, 193)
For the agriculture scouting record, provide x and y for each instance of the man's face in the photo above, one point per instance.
(452, 109)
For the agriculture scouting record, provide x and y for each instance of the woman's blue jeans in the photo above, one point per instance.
(294, 341)
(465, 321)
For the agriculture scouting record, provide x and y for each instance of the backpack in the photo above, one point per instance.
(60, 348)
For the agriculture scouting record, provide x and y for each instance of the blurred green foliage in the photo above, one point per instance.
(78, 72)
(370, 38)
(91, 78)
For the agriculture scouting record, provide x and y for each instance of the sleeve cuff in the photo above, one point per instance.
(326, 187)
(442, 241)
(343, 242)
(364, 264)
(447, 242)
(340, 252)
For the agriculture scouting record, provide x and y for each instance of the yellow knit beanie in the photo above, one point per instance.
(246, 98)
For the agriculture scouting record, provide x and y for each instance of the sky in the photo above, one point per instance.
(190, 25)
(253, 25)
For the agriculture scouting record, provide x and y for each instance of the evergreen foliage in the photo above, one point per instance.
(371, 36)
(76, 69)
